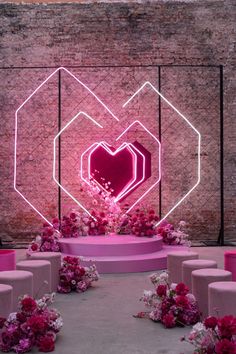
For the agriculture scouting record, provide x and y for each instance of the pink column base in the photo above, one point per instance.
(7, 260)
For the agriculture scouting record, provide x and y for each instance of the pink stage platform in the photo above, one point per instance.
(120, 253)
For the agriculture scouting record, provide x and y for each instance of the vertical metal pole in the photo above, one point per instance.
(221, 234)
(59, 144)
(159, 113)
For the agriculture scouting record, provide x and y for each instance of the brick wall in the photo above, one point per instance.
(97, 36)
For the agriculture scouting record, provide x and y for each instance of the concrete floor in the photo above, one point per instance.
(100, 320)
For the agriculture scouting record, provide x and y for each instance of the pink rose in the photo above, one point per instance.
(168, 320)
(210, 322)
(161, 290)
(28, 304)
(46, 344)
(225, 346)
(181, 289)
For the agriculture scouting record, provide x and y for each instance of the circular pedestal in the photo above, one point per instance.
(119, 253)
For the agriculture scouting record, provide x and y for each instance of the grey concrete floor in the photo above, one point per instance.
(100, 320)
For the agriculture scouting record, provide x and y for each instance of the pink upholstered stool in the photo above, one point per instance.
(41, 270)
(191, 265)
(55, 259)
(6, 292)
(174, 264)
(7, 260)
(230, 263)
(200, 280)
(21, 282)
(221, 298)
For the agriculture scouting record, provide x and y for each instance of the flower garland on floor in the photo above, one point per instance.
(214, 335)
(33, 325)
(74, 277)
(172, 305)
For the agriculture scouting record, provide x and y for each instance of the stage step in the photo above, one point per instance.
(120, 253)
(110, 245)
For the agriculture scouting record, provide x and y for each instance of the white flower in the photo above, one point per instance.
(173, 286)
(191, 298)
(12, 317)
(148, 293)
(199, 327)
(182, 223)
(38, 239)
(164, 276)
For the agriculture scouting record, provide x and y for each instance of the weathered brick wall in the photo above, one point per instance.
(118, 34)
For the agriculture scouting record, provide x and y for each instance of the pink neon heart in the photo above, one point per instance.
(124, 168)
(115, 167)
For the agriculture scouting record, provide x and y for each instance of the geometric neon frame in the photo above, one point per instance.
(146, 84)
(54, 157)
(159, 161)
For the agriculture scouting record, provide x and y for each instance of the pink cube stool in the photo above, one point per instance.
(221, 298)
(41, 271)
(174, 264)
(230, 262)
(6, 294)
(7, 260)
(21, 282)
(201, 278)
(55, 259)
(189, 266)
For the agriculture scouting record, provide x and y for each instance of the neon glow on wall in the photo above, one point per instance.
(134, 151)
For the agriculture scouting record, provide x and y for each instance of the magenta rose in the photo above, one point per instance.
(168, 320)
(225, 346)
(46, 344)
(227, 326)
(161, 290)
(28, 304)
(181, 289)
(38, 324)
(34, 247)
(210, 322)
(182, 301)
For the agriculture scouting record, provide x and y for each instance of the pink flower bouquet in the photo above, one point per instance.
(214, 335)
(33, 325)
(172, 305)
(74, 277)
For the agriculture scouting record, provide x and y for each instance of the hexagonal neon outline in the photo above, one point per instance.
(54, 157)
(159, 161)
(147, 83)
(16, 130)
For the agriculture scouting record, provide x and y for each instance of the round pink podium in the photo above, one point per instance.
(119, 253)
(7, 260)
(221, 298)
(230, 262)
(201, 278)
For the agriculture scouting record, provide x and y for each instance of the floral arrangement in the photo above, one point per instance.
(214, 335)
(33, 325)
(172, 236)
(172, 305)
(47, 241)
(140, 223)
(74, 277)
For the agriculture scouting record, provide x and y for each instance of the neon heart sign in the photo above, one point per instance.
(125, 168)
